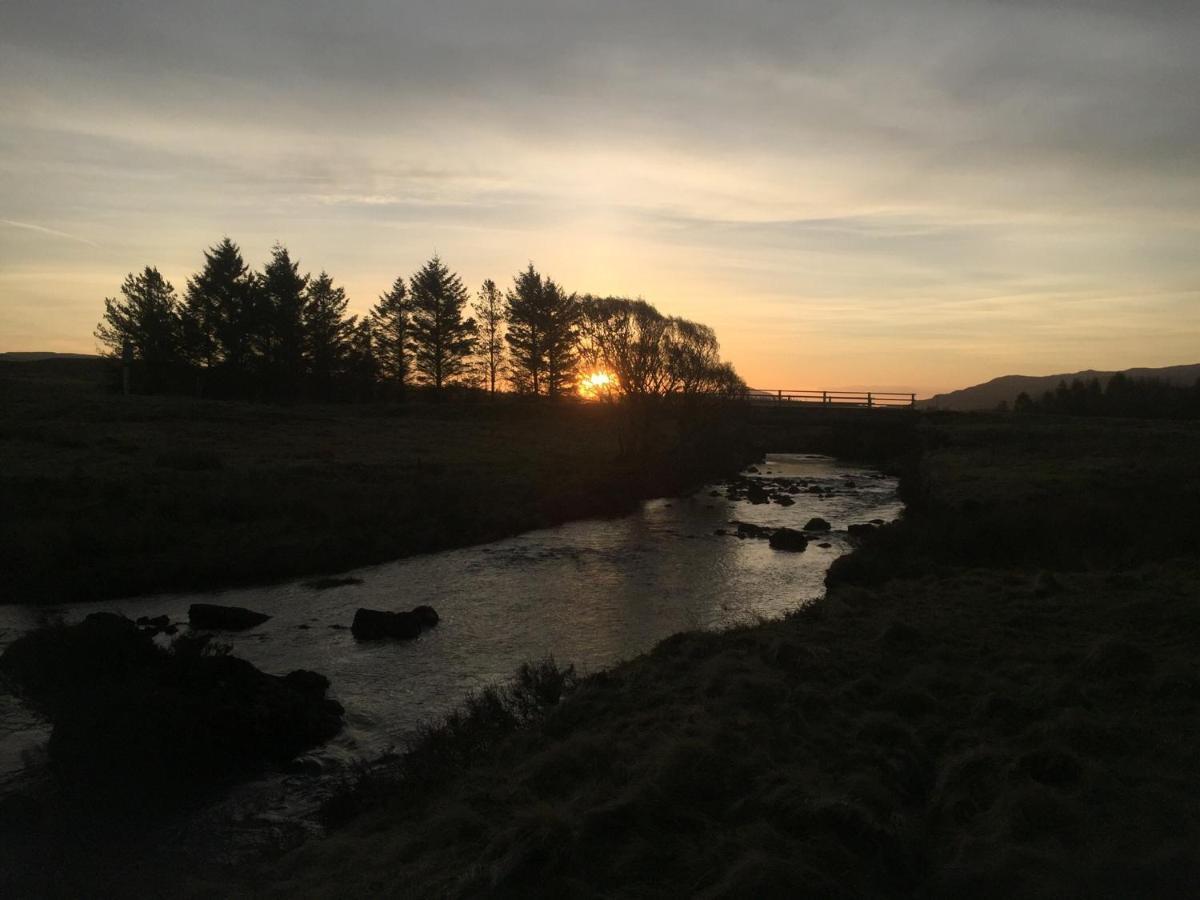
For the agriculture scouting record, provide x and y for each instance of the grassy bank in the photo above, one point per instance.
(104, 496)
(999, 697)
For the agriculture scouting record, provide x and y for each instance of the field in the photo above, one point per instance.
(1000, 696)
(105, 496)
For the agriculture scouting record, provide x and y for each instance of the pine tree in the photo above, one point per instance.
(489, 310)
(145, 324)
(442, 338)
(391, 320)
(543, 322)
(526, 334)
(222, 312)
(326, 330)
(560, 312)
(281, 290)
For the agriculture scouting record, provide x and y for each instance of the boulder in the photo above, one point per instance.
(373, 624)
(788, 539)
(784, 500)
(817, 524)
(756, 493)
(307, 682)
(228, 618)
(861, 531)
(427, 614)
(134, 719)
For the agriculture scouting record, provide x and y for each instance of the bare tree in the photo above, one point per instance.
(489, 314)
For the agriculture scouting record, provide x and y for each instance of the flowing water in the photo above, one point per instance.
(590, 593)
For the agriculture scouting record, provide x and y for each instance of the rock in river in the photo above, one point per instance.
(788, 539)
(231, 618)
(817, 524)
(372, 624)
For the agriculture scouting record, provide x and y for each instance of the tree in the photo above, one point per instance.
(627, 339)
(442, 338)
(144, 324)
(489, 310)
(560, 313)
(362, 363)
(543, 323)
(525, 335)
(222, 312)
(391, 319)
(281, 290)
(326, 330)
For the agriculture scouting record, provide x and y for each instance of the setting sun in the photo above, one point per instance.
(596, 385)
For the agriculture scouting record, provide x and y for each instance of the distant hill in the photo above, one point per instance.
(1006, 388)
(37, 355)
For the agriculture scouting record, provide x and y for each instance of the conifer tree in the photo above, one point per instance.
(525, 335)
(543, 324)
(391, 320)
(560, 312)
(442, 338)
(282, 292)
(489, 312)
(222, 321)
(144, 324)
(326, 330)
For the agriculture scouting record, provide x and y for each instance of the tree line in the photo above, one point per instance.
(277, 333)
(1118, 396)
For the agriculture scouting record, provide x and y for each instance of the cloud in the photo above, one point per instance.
(933, 164)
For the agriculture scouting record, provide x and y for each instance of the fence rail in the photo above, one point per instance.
(858, 399)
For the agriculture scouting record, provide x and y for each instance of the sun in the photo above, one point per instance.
(595, 385)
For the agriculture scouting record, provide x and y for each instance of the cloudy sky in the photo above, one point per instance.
(909, 195)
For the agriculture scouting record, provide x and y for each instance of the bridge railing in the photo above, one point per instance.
(857, 399)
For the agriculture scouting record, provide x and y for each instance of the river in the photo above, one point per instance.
(591, 593)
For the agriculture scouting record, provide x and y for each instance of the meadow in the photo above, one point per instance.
(104, 496)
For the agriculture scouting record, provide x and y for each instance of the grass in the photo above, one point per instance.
(1011, 710)
(104, 496)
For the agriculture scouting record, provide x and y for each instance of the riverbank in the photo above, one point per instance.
(999, 696)
(105, 496)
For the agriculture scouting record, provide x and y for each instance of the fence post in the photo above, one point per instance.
(824, 398)
(912, 399)
(870, 402)
(779, 395)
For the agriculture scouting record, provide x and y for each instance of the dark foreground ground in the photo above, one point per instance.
(103, 496)
(1000, 697)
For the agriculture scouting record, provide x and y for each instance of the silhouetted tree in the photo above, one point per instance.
(628, 339)
(143, 324)
(392, 322)
(442, 338)
(362, 362)
(560, 313)
(489, 312)
(326, 330)
(543, 322)
(526, 332)
(222, 314)
(281, 290)
(1120, 396)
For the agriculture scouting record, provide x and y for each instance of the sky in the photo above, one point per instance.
(889, 194)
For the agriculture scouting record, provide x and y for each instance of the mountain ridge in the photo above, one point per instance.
(1004, 389)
